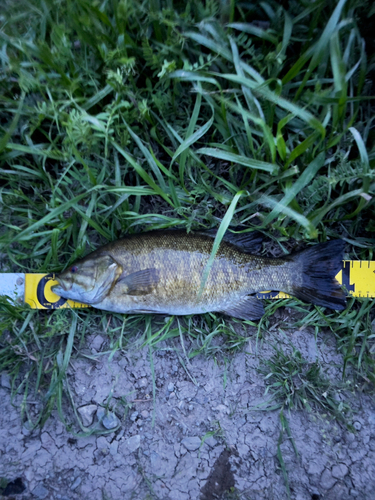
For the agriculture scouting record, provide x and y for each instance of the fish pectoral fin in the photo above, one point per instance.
(139, 283)
(248, 307)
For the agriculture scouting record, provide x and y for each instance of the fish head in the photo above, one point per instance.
(88, 280)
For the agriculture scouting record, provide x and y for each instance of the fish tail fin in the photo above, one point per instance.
(320, 264)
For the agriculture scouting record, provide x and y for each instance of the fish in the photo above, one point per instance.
(165, 272)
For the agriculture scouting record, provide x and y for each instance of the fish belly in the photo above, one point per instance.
(179, 301)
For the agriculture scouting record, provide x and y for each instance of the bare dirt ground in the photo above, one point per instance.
(201, 439)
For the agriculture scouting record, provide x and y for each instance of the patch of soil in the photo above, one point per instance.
(220, 480)
(159, 448)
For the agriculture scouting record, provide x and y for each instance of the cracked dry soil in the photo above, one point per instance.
(156, 452)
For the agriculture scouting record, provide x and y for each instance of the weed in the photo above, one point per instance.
(292, 382)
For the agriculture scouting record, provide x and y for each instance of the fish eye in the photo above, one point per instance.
(73, 269)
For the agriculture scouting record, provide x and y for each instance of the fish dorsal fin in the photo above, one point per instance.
(246, 242)
(248, 307)
(139, 283)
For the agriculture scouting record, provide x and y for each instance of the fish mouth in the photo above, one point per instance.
(63, 286)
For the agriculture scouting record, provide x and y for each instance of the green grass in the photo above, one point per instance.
(293, 382)
(119, 117)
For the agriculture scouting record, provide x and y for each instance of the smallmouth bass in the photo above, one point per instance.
(161, 272)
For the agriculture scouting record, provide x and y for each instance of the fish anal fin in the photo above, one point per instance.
(247, 307)
(139, 283)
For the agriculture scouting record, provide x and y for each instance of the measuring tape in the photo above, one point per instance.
(357, 276)
(35, 290)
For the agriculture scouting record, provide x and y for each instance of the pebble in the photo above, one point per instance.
(353, 446)
(170, 387)
(100, 414)
(143, 382)
(97, 342)
(27, 428)
(133, 443)
(113, 449)
(102, 444)
(40, 492)
(133, 416)
(181, 405)
(191, 443)
(110, 421)
(5, 380)
(76, 483)
(357, 426)
(145, 413)
(87, 414)
(326, 480)
(349, 438)
(339, 471)
(211, 441)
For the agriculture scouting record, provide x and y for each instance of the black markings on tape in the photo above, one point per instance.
(268, 295)
(41, 296)
(346, 277)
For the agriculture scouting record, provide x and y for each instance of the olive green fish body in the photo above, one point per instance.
(166, 272)
(175, 282)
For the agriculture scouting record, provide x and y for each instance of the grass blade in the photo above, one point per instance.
(299, 218)
(193, 138)
(218, 238)
(240, 160)
(291, 193)
(143, 174)
(254, 30)
(267, 94)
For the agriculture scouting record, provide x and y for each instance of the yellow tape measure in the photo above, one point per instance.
(357, 276)
(38, 293)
